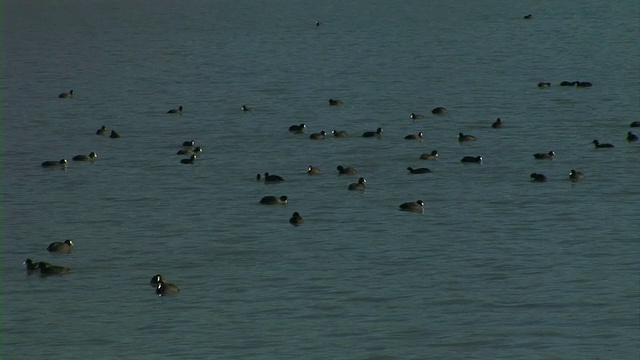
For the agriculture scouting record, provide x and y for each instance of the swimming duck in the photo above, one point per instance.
(189, 152)
(346, 171)
(631, 136)
(542, 156)
(189, 143)
(34, 266)
(340, 134)
(416, 206)
(114, 135)
(538, 177)
(430, 156)
(418, 170)
(528, 16)
(102, 130)
(418, 136)
(358, 185)
(635, 124)
(318, 136)
(335, 102)
(268, 178)
(415, 116)
(246, 108)
(60, 247)
(296, 219)
(175, 111)
(190, 160)
(497, 124)
(439, 110)
(462, 137)
(544, 84)
(91, 157)
(163, 289)
(66, 95)
(471, 159)
(378, 132)
(272, 200)
(598, 145)
(48, 269)
(575, 175)
(50, 163)
(297, 129)
(312, 170)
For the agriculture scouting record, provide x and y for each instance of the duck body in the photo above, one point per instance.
(61, 247)
(340, 133)
(194, 151)
(418, 170)
(335, 102)
(575, 175)
(433, 155)
(175, 111)
(66, 95)
(631, 136)
(439, 110)
(418, 136)
(535, 177)
(463, 138)
(367, 134)
(346, 170)
(163, 289)
(269, 178)
(416, 206)
(598, 145)
(544, 156)
(318, 136)
(273, 200)
(296, 219)
(497, 124)
(297, 129)
(48, 269)
(358, 186)
(91, 157)
(61, 163)
(190, 160)
(312, 170)
(472, 159)
(102, 130)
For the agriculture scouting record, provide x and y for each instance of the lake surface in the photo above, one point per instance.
(497, 267)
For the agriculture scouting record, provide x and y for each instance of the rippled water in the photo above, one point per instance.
(496, 267)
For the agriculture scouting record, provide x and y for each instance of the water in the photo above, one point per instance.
(496, 267)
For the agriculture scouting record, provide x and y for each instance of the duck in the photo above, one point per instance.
(418, 170)
(471, 159)
(583, 84)
(268, 178)
(66, 95)
(575, 175)
(190, 160)
(358, 185)
(34, 266)
(297, 129)
(462, 137)
(62, 163)
(175, 111)
(418, 136)
(102, 130)
(340, 133)
(528, 16)
(433, 155)
(346, 170)
(415, 116)
(544, 84)
(61, 247)
(598, 145)
(189, 152)
(318, 23)
(497, 124)
(535, 177)
(318, 136)
(91, 157)
(114, 135)
(163, 289)
(378, 132)
(631, 136)
(439, 111)
(335, 102)
(157, 278)
(415, 206)
(246, 108)
(635, 124)
(273, 200)
(312, 170)
(296, 219)
(47, 269)
(542, 156)
(189, 143)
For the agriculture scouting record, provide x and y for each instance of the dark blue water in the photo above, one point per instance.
(496, 267)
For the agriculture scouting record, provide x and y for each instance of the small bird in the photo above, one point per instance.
(358, 185)
(472, 159)
(296, 219)
(318, 136)
(378, 132)
(297, 129)
(246, 108)
(273, 200)
(268, 178)
(418, 170)
(163, 289)
(62, 163)
(416, 206)
(189, 152)
(340, 133)
(544, 84)
(419, 136)
(190, 160)
(462, 137)
(575, 175)
(433, 155)
(535, 177)
(60, 247)
(312, 170)
(631, 136)
(598, 145)
(415, 116)
(48, 269)
(346, 170)
(91, 157)
(102, 130)
(114, 135)
(543, 156)
(439, 111)
(497, 124)
(175, 111)
(335, 102)
(66, 95)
